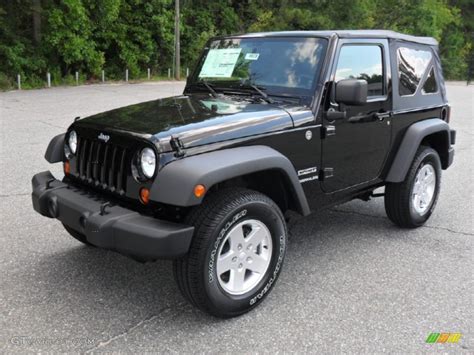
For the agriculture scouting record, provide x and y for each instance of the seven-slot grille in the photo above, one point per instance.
(102, 164)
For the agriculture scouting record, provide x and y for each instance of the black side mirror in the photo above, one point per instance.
(351, 92)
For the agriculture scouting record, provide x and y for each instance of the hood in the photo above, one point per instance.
(195, 119)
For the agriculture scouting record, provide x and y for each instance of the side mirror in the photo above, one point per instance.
(351, 92)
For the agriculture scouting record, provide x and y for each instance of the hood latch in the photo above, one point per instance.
(177, 146)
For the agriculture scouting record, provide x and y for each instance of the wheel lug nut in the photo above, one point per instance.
(234, 259)
(240, 266)
(249, 247)
(239, 247)
(249, 259)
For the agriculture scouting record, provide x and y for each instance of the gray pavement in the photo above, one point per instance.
(352, 282)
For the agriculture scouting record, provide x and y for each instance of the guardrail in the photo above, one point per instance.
(103, 78)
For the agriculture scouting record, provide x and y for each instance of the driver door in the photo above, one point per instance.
(356, 146)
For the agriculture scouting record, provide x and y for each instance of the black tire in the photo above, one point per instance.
(76, 235)
(398, 196)
(196, 275)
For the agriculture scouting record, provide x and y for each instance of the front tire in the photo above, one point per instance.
(409, 204)
(236, 254)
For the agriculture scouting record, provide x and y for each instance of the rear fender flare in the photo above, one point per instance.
(410, 143)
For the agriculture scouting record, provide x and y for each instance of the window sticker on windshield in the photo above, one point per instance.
(220, 63)
(252, 56)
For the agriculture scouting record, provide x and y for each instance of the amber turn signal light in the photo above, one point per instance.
(199, 191)
(144, 195)
(67, 168)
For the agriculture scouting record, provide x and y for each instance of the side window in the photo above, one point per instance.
(412, 65)
(431, 86)
(362, 62)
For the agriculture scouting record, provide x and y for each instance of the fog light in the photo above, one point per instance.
(144, 195)
(67, 168)
(199, 191)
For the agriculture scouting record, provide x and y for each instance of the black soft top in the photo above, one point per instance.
(347, 34)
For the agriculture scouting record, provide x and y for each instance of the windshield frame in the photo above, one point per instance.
(305, 94)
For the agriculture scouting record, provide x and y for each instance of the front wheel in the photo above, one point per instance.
(236, 254)
(410, 203)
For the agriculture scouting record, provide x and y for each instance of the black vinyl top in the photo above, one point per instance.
(347, 34)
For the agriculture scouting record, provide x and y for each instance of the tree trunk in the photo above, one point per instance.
(37, 21)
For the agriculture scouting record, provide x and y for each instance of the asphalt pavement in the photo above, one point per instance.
(352, 282)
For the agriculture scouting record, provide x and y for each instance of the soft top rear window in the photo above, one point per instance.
(412, 65)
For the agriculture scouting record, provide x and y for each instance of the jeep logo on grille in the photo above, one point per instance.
(104, 137)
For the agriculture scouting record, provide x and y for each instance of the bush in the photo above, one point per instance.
(5, 83)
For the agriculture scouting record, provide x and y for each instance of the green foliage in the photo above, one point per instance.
(5, 82)
(70, 37)
(89, 35)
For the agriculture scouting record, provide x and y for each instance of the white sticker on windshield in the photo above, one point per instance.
(252, 56)
(220, 63)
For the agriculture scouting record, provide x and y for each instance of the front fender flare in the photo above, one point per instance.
(175, 183)
(55, 151)
(410, 143)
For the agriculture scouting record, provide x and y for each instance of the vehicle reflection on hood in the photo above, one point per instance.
(195, 119)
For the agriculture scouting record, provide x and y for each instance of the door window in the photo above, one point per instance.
(362, 62)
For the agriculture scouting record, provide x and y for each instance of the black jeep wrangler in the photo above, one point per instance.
(267, 123)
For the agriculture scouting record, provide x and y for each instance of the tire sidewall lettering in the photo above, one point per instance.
(276, 271)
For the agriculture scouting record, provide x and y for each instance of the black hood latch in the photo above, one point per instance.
(177, 146)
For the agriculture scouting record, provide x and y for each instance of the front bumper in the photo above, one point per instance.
(111, 227)
(452, 141)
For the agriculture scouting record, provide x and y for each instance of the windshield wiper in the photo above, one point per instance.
(263, 94)
(209, 87)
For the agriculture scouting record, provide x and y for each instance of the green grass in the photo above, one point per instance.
(7, 84)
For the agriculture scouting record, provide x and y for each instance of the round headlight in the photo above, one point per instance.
(148, 162)
(72, 142)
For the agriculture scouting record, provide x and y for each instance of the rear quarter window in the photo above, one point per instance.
(412, 65)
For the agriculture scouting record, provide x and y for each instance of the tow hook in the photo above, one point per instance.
(103, 207)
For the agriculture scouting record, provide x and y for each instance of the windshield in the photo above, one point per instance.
(280, 66)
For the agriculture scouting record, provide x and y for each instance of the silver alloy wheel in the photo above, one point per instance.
(244, 257)
(424, 189)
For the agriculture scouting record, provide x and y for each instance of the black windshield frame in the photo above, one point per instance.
(306, 94)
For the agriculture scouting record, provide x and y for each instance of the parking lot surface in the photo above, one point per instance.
(352, 281)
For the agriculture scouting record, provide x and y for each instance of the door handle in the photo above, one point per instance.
(382, 115)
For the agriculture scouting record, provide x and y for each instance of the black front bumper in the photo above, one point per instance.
(111, 227)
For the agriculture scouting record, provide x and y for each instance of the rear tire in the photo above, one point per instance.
(76, 235)
(409, 204)
(236, 255)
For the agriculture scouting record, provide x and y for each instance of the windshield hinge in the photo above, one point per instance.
(177, 146)
(327, 131)
(326, 173)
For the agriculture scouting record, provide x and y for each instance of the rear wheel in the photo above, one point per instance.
(76, 235)
(236, 254)
(410, 203)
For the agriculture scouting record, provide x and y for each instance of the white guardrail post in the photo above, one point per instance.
(48, 78)
(103, 76)
(126, 75)
(18, 80)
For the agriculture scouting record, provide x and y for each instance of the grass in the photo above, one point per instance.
(6, 84)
